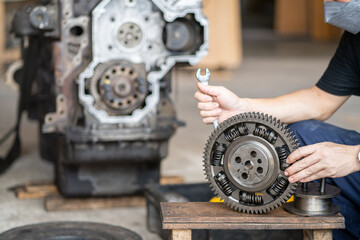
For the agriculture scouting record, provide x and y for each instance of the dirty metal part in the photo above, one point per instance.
(129, 35)
(37, 20)
(40, 18)
(180, 35)
(119, 87)
(11, 72)
(134, 32)
(314, 199)
(69, 230)
(102, 88)
(243, 165)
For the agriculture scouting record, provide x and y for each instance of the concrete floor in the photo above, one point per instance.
(269, 68)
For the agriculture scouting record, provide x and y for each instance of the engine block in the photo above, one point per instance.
(102, 88)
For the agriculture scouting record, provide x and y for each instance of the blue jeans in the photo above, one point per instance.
(310, 132)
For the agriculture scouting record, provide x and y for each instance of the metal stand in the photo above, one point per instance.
(314, 199)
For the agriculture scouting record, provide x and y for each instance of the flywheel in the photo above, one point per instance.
(244, 160)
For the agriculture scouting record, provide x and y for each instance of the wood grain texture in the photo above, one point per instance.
(206, 215)
(58, 203)
(321, 234)
(181, 234)
(225, 44)
(165, 180)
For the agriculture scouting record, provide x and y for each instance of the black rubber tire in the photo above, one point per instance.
(69, 231)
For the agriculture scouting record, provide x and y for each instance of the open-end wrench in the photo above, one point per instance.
(204, 79)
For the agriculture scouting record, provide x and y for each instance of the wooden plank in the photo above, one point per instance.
(2, 27)
(31, 195)
(321, 234)
(206, 215)
(34, 190)
(225, 47)
(291, 17)
(41, 190)
(181, 234)
(59, 203)
(164, 180)
(319, 30)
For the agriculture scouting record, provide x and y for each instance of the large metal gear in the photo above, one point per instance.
(245, 159)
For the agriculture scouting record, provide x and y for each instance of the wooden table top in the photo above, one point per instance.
(207, 215)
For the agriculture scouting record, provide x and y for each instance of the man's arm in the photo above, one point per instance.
(313, 103)
(309, 162)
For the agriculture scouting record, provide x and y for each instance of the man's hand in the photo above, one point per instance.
(322, 160)
(217, 102)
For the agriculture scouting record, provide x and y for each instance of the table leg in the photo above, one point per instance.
(181, 234)
(318, 234)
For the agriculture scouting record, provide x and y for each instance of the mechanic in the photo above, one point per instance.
(326, 150)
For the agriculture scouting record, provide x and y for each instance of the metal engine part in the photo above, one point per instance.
(314, 199)
(245, 159)
(102, 83)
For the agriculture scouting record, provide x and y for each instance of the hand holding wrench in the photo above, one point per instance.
(204, 79)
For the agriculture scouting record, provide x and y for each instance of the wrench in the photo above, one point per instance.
(204, 79)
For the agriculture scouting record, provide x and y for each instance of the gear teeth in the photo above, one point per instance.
(283, 133)
(272, 120)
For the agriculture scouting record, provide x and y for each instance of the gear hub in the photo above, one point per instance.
(245, 159)
(120, 89)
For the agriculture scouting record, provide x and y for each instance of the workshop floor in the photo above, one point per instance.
(269, 68)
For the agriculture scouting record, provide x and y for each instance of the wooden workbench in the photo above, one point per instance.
(181, 218)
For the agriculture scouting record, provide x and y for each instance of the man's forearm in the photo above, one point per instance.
(305, 104)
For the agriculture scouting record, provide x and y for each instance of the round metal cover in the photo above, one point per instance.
(69, 231)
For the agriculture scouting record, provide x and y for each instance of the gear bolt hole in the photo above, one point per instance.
(259, 161)
(249, 164)
(253, 154)
(260, 170)
(238, 159)
(244, 175)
